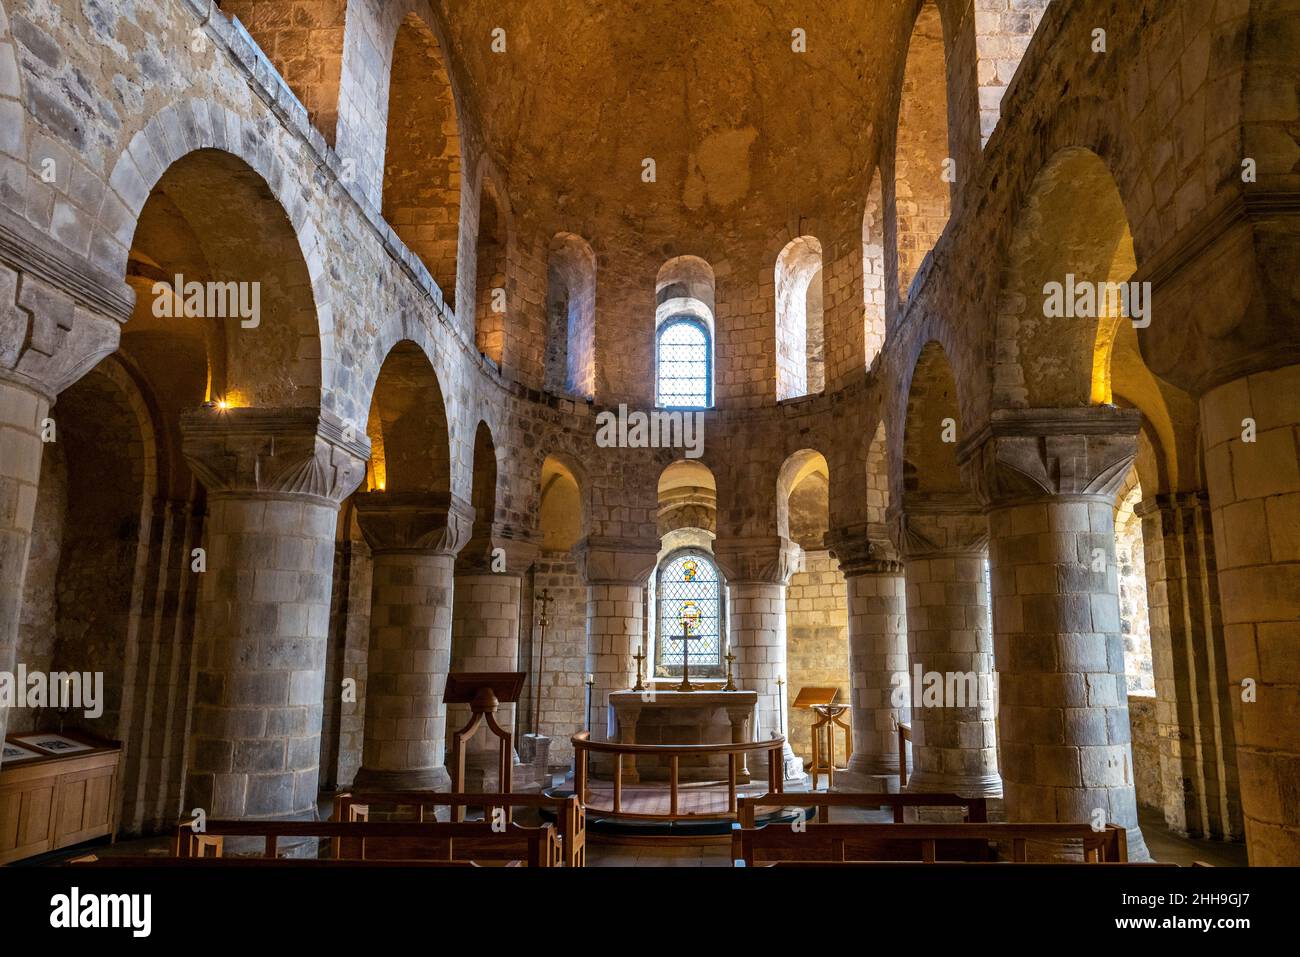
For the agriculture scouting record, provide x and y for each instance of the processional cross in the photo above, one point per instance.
(690, 619)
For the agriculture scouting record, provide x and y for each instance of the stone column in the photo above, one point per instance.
(616, 571)
(1198, 754)
(413, 539)
(758, 570)
(485, 637)
(877, 652)
(954, 731)
(275, 478)
(1251, 432)
(21, 412)
(1049, 478)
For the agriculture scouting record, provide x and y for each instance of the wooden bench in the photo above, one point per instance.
(570, 816)
(290, 863)
(363, 841)
(926, 843)
(974, 810)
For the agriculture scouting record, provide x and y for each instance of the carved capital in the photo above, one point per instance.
(47, 339)
(767, 559)
(862, 549)
(1029, 455)
(424, 522)
(1225, 302)
(615, 561)
(297, 452)
(949, 525)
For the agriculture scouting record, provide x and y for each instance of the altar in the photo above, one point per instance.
(663, 716)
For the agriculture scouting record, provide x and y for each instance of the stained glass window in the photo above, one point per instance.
(689, 595)
(682, 357)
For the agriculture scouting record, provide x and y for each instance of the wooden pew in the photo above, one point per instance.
(974, 810)
(926, 843)
(570, 815)
(290, 863)
(362, 841)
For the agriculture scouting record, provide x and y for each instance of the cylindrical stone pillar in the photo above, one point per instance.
(21, 414)
(1049, 477)
(413, 538)
(274, 480)
(877, 653)
(758, 571)
(616, 573)
(1251, 428)
(950, 651)
(485, 637)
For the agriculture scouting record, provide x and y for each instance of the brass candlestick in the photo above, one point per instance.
(731, 684)
(640, 662)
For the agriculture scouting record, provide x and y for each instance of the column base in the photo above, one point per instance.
(415, 779)
(855, 782)
(974, 785)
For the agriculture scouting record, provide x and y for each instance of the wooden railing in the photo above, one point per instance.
(584, 747)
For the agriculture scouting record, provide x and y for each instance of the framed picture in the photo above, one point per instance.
(16, 752)
(53, 743)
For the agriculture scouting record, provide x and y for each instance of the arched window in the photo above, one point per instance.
(683, 364)
(689, 596)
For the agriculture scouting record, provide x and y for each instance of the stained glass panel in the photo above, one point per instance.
(683, 365)
(689, 595)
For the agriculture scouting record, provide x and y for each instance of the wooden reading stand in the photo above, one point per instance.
(483, 691)
(821, 701)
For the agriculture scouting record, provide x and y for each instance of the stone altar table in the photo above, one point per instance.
(681, 717)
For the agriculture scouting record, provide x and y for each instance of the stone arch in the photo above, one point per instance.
(570, 365)
(931, 430)
(562, 509)
(800, 328)
(1071, 248)
(492, 252)
(261, 218)
(688, 499)
(797, 469)
(922, 180)
(410, 441)
(484, 493)
(684, 290)
(421, 196)
(873, 272)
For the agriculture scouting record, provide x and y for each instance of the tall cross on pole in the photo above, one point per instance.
(687, 638)
(543, 619)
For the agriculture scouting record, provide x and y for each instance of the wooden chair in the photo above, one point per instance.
(927, 843)
(362, 841)
(570, 816)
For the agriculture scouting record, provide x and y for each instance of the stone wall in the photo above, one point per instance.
(817, 629)
(1146, 752)
(563, 694)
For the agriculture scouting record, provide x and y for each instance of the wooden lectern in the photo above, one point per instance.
(822, 702)
(483, 691)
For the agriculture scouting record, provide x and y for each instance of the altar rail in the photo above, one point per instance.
(583, 747)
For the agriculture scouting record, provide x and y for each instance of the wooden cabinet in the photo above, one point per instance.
(56, 801)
